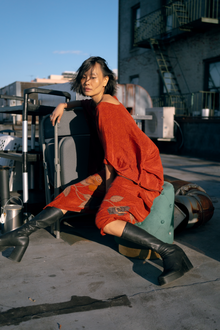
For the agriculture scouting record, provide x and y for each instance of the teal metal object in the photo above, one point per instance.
(160, 221)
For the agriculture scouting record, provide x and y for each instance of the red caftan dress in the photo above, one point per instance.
(135, 159)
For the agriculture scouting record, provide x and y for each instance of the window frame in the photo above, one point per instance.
(133, 77)
(133, 20)
(214, 99)
(207, 63)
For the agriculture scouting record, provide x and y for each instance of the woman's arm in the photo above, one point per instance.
(110, 175)
(58, 112)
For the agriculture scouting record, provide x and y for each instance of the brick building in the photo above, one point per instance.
(172, 49)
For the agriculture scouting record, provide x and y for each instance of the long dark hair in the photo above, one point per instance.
(87, 64)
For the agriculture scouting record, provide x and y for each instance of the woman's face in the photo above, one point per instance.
(93, 83)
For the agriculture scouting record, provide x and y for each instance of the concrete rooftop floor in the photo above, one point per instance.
(108, 290)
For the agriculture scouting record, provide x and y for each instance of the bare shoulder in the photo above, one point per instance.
(110, 99)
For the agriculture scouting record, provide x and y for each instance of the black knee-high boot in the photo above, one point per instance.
(19, 238)
(175, 261)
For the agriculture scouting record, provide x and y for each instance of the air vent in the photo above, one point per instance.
(162, 123)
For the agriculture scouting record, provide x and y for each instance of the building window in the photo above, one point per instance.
(214, 77)
(136, 15)
(134, 80)
(168, 78)
(212, 84)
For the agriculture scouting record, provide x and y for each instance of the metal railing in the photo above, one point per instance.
(150, 26)
(175, 16)
(190, 104)
(202, 8)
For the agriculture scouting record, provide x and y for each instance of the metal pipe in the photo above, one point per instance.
(27, 92)
(4, 185)
(25, 151)
(33, 130)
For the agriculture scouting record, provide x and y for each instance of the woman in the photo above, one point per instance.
(130, 177)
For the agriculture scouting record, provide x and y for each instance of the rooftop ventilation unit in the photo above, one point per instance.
(162, 124)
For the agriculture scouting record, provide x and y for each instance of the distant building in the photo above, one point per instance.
(17, 89)
(57, 79)
(172, 49)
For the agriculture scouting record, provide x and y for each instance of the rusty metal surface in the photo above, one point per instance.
(193, 201)
(181, 187)
(134, 97)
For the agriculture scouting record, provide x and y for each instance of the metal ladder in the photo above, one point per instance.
(181, 13)
(170, 82)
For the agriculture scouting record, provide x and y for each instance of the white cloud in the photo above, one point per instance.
(76, 52)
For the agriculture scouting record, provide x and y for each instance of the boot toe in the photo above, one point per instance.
(176, 271)
(168, 277)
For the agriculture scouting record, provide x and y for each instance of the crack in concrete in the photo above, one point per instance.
(173, 287)
(15, 316)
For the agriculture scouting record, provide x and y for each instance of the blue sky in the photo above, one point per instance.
(44, 37)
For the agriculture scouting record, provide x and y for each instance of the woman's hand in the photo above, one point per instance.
(57, 113)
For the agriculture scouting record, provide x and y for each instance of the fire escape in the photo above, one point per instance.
(158, 29)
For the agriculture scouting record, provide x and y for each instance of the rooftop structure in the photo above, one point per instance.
(57, 79)
(171, 48)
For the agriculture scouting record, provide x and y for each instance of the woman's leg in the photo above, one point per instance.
(175, 261)
(115, 228)
(19, 238)
(85, 195)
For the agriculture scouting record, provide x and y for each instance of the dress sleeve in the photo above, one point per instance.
(127, 149)
(115, 130)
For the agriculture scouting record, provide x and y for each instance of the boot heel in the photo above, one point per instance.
(186, 264)
(17, 253)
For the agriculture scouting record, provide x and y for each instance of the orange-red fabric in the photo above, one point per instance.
(84, 196)
(136, 161)
(124, 200)
(128, 149)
